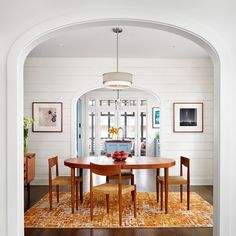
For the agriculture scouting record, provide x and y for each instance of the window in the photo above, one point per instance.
(128, 102)
(107, 121)
(131, 117)
(92, 103)
(143, 102)
(127, 122)
(106, 102)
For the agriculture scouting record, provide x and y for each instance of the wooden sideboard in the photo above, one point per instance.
(29, 170)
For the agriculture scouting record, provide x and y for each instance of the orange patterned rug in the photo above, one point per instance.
(148, 212)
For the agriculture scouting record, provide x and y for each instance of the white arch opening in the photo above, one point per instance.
(16, 60)
(96, 95)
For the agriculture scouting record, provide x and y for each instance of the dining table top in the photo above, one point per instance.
(130, 163)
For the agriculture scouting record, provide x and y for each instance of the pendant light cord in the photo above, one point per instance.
(118, 94)
(117, 51)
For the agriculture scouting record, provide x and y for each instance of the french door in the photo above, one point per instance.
(132, 124)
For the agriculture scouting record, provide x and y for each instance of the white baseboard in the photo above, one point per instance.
(202, 181)
(39, 182)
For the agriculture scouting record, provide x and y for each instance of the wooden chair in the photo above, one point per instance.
(62, 180)
(110, 188)
(176, 180)
(125, 174)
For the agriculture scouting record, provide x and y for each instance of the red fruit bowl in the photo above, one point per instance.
(118, 157)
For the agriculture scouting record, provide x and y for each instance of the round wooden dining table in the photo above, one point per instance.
(129, 163)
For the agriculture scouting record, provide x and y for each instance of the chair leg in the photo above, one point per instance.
(107, 201)
(77, 193)
(181, 193)
(50, 196)
(81, 191)
(81, 186)
(120, 209)
(57, 188)
(162, 190)
(188, 196)
(132, 183)
(157, 190)
(157, 184)
(91, 205)
(135, 210)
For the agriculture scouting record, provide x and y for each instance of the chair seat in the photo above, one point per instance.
(65, 180)
(173, 180)
(109, 188)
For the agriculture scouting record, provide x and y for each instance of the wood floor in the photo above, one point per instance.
(145, 180)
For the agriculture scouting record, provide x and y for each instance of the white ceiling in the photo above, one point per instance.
(135, 42)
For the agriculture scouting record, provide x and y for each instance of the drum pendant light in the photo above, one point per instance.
(117, 80)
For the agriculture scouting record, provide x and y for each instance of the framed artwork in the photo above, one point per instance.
(47, 116)
(156, 117)
(188, 117)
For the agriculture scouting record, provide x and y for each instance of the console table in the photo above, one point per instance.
(117, 145)
(29, 170)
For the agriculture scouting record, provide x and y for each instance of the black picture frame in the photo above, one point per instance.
(188, 117)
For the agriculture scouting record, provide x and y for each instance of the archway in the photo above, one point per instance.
(133, 116)
(15, 105)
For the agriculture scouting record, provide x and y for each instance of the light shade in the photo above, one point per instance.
(117, 80)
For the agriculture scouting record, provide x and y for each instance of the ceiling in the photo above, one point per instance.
(134, 42)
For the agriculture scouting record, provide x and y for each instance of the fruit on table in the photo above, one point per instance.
(119, 155)
(116, 153)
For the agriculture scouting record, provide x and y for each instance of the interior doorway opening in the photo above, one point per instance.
(98, 112)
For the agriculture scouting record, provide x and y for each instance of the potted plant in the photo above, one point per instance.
(27, 123)
(113, 131)
(157, 136)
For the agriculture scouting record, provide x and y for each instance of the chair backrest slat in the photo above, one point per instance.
(105, 170)
(53, 161)
(184, 161)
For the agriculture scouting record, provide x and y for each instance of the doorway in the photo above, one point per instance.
(98, 112)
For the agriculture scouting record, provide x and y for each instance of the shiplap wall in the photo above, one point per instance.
(173, 80)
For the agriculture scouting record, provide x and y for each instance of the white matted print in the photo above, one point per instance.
(188, 117)
(47, 116)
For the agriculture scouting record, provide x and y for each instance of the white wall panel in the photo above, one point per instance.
(173, 80)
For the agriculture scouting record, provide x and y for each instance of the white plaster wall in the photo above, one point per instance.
(173, 80)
